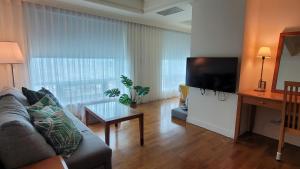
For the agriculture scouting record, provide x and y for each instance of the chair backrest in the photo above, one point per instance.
(291, 106)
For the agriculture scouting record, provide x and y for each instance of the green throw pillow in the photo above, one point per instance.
(59, 131)
(51, 95)
(35, 96)
(39, 109)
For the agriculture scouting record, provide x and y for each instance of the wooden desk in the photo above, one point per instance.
(253, 98)
(56, 162)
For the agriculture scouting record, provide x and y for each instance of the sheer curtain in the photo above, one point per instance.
(176, 48)
(159, 59)
(145, 53)
(78, 56)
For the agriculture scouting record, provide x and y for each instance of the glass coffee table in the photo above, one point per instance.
(114, 113)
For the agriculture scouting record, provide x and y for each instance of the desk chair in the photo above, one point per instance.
(290, 121)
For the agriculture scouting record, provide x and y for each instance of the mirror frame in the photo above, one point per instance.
(278, 58)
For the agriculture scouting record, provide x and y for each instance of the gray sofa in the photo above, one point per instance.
(21, 144)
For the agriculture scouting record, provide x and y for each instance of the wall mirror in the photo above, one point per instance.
(287, 66)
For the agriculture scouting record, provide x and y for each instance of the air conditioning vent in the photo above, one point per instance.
(170, 11)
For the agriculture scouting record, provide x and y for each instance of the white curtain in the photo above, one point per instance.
(176, 48)
(159, 59)
(145, 53)
(78, 56)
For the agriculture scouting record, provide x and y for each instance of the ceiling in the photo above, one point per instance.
(139, 11)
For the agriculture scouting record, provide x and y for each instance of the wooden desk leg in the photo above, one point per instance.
(107, 130)
(252, 118)
(238, 119)
(141, 120)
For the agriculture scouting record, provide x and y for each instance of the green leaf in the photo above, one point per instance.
(112, 92)
(125, 99)
(141, 91)
(126, 81)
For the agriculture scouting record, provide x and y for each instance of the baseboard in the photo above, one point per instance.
(211, 127)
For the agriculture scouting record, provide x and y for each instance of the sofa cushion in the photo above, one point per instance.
(35, 96)
(92, 153)
(51, 95)
(20, 143)
(79, 125)
(41, 109)
(16, 93)
(58, 130)
(32, 96)
(9, 105)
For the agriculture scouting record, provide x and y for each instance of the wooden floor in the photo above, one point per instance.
(171, 144)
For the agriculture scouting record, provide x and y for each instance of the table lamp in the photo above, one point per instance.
(10, 53)
(263, 53)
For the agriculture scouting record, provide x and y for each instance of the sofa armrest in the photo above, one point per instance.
(56, 162)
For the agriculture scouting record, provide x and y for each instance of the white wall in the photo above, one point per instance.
(266, 123)
(264, 23)
(209, 112)
(11, 29)
(218, 28)
(217, 31)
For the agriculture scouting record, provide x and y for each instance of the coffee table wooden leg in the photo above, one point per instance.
(141, 120)
(107, 130)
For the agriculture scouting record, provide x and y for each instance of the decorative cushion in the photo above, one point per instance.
(59, 131)
(19, 137)
(35, 96)
(51, 95)
(41, 109)
(32, 96)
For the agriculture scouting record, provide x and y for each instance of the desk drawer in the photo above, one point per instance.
(277, 105)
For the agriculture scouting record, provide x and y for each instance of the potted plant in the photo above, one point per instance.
(134, 96)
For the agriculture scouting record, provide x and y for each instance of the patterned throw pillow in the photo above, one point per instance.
(59, 131)
(35, 96)
(39, 109)
(47, 92)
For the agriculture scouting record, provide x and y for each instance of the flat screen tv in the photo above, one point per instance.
(218, 74)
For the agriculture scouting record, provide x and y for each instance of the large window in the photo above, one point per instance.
(75, 79)
(79, 56)
(76, 56)
(176, 48)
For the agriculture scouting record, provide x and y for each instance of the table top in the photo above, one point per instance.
(110, 111)
(56, 162)
(266, 95)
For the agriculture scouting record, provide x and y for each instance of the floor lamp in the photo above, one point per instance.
(10, 53)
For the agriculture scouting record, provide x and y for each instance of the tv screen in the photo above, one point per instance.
(218, 74)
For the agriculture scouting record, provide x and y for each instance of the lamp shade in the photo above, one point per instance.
(264, 52)
(10, 53)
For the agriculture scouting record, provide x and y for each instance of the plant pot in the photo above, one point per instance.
(133, 105)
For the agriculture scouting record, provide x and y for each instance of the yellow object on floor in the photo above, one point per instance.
(184, 92)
